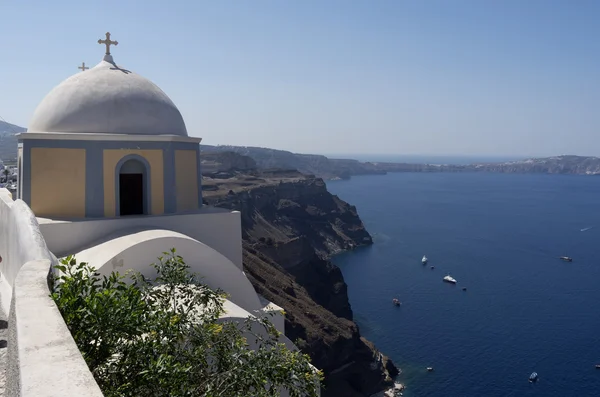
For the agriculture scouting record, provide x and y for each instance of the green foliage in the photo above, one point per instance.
(163, 337)
(301, 344)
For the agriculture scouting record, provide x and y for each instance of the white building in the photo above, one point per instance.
(107, 172)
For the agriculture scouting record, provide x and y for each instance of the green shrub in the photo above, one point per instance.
(163, 337)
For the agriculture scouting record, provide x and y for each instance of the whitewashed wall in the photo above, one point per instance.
(218, 228)
(20, 242)
(42, 359)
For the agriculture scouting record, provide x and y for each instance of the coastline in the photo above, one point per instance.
(393, 391)
(468, 225)
(291, 227)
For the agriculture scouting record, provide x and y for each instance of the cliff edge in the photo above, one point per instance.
(291, 226)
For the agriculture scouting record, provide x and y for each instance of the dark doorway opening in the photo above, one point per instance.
(131, 194)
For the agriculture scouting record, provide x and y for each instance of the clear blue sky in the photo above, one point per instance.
(410, 77)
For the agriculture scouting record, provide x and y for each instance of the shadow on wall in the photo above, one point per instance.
(20, 242)
(35, 326)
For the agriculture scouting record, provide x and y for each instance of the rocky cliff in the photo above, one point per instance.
(225, 161)
(291, 226)
(315, 164)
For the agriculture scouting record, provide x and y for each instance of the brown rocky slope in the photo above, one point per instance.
(291, 226)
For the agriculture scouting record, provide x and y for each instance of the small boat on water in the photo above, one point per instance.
(396, 302)
(429, 369)
(424, 260)
(432, 267)
(566, 258)
(464, 288)
(533, 377)
(449, 279)
(597, 366)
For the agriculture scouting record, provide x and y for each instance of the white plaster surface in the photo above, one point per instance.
(238, 314)
(218, 228)
(108, 99)
(43, 359)
(274, 313)
(3, 348)
(40, 355)
(138, 249)
(20, 241)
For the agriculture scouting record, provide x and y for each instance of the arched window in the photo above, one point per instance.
(133, 186)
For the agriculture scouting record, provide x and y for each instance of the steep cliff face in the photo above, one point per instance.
(225, 161)
(291, 226)
(300, 208)
(316, 164)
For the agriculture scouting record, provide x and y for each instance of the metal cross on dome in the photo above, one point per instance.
(82, 67)
(108, 42)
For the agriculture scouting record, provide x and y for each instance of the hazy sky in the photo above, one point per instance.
(411, 77)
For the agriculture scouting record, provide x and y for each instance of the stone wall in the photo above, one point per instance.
(43, 359)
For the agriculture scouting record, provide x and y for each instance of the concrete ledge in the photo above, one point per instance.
(43, 359)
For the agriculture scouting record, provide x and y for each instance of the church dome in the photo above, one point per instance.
(108, 99)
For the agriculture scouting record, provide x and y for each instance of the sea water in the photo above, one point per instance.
(500, 236)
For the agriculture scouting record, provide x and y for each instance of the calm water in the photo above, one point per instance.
(499, 235)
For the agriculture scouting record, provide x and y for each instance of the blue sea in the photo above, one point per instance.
(499, 235)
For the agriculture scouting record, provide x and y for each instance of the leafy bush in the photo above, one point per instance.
(163, 337)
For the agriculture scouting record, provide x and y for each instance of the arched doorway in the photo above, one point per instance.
(133, 183)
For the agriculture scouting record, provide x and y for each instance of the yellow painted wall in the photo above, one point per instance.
(58, 182)
(186, 178)
(154, 157)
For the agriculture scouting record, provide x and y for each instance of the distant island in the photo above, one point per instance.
(328, 168)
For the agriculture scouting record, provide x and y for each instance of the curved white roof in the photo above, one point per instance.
(108, 99)
(134, 249)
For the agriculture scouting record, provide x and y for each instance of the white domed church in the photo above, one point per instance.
(107, 142)
(112, 176)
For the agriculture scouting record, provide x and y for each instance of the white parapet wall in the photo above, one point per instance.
(20, 242)
(43, 359)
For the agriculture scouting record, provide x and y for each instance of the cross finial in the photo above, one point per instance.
(82, 67)
(108, 42)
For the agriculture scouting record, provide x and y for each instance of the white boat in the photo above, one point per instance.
(449, 279)
(424, 260)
